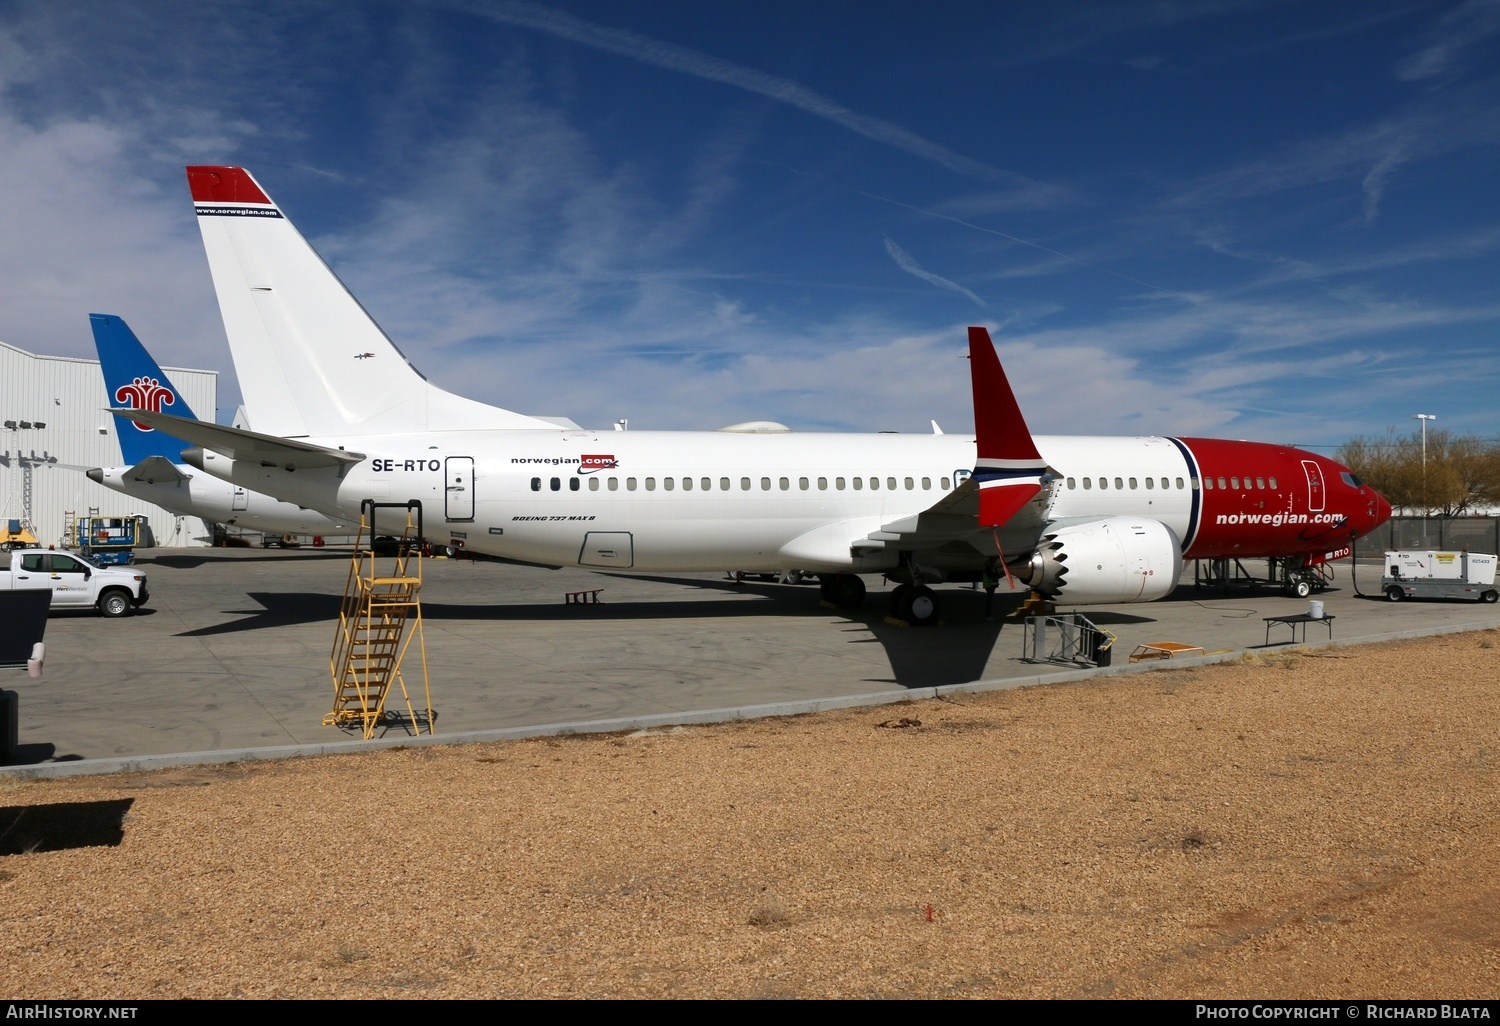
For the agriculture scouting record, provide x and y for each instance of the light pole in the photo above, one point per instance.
(1424, 418)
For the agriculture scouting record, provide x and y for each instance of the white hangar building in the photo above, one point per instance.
(53, 428)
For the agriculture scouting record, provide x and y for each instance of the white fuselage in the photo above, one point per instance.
(223, 502)
(685, 501)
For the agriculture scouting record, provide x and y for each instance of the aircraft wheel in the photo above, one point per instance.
(1490, 596)
(921, 607)
(898, 601)
(849, 591)
(1301, 588)
(828, 588)
(1394, 593)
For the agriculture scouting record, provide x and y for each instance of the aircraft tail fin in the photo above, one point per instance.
(309, 358)
(132, 378)
(1008, 470)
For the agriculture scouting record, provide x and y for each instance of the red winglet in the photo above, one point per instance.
(1008, 469)
(224, 185)
(999, 428)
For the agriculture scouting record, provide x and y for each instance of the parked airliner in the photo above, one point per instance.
(344, 417)
(133, 379)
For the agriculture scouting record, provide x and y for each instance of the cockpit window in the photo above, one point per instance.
(1351, 480)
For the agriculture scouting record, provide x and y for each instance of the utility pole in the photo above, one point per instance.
(1424, 418)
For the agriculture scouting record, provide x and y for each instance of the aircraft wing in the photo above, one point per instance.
(239, 444)
(155, 469)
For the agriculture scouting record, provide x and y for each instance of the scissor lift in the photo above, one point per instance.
(380, 615)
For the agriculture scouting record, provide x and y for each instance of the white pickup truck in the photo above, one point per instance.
(76, 583)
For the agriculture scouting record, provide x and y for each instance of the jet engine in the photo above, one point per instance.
(1117, 559)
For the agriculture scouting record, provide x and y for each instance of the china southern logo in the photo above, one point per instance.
(145, 394)
(593, 464)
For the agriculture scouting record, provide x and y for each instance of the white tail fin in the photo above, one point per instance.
(310, 360)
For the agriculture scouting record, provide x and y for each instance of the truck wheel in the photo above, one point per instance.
(1394, 593)
(114, 602)
(1490, 596)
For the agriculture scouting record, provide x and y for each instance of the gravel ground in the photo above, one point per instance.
(1313, 824)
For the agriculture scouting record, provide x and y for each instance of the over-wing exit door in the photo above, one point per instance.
(458, 474)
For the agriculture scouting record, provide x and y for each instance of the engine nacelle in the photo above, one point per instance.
(1118, 559)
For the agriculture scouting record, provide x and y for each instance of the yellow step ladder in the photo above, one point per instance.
(380, 616)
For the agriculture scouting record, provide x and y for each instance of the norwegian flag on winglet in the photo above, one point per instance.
(1008, 470)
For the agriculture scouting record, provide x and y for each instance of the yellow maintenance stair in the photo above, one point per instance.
(380, 616)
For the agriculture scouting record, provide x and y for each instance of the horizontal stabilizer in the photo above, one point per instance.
(155, 470)
(238, 444)
(1008, 470)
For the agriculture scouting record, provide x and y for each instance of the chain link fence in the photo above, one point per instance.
(1448, 534)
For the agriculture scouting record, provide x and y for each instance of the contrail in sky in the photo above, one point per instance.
(908, 263)
(637, 47)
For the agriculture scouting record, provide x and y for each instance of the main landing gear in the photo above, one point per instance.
(846, 591)
(916, 604)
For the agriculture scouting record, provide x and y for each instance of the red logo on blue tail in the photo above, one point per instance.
(145, 394)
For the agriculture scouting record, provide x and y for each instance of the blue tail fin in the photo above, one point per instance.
(133, 379)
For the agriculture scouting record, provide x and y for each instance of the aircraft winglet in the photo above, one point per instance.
(1008, 469)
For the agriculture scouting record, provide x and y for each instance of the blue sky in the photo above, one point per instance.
(1277, 221)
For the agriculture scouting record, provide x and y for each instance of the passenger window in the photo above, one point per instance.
(744, 484)
(1132, 484)
(1118, 483)
(1104, 482)
(1221, 482)
(630, 484)
(1165, 484)
(874, 484)
(1273, 484)
(614, 484)
(650, 484)
(822, 484)
(666, 484)
(593, 484)
(1179, 483)
(707, 484)
(765, 484)
(536, 484)
(802, 483)
(723, 484)
(1088, 484)
(838, 483)
(1208, 484)
(34, 563)
(859, 483)
(556, 484)
(890, 484)
(65, 565)
(1072, 484)
(1260, 483)
(943, 483)
(926, 484)
(573, 484)
(910, 485)
(687, 484)
(1234, 482)
(1150, 483)
(785, 484)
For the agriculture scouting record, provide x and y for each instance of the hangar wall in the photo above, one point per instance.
(56, 405)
